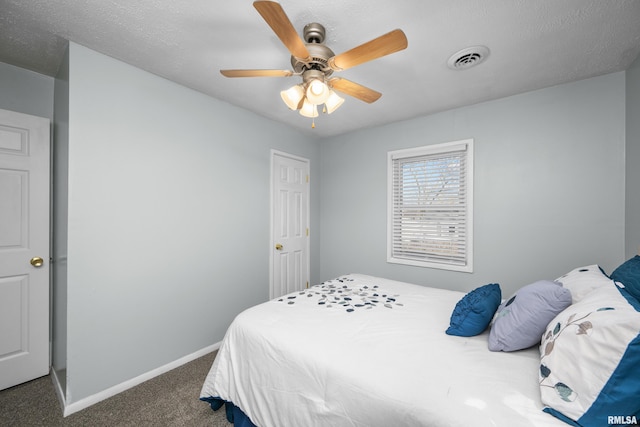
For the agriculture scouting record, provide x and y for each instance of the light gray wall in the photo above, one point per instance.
(549, 187)
(60, 162)
(25, 91)
(632, 242)
(168, 219)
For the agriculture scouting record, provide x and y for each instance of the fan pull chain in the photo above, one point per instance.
(313, 120)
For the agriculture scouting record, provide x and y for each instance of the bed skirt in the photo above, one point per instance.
(234, 414)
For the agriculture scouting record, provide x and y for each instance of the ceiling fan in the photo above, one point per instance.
(315, 63)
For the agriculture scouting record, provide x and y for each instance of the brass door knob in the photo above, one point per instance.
(278, 246)
(37, 261)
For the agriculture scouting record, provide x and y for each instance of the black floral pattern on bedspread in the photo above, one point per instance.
(341, 293)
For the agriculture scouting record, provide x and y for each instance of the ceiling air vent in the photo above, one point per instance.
(467, 58)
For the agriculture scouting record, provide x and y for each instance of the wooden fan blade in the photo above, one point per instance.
(354, 89)
(274, 15)
(376, 48)
(256, 73)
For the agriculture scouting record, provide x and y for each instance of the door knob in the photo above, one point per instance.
(37, 261)
(278, 246)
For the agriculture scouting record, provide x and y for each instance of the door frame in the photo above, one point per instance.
(272, 241)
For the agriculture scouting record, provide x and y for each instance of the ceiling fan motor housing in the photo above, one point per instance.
(314, 35)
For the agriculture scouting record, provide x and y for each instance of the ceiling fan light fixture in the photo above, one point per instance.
(308, 109)
(317, 92)
(293, 96)
(334, 101)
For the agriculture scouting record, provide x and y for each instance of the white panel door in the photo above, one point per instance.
(24, 248)
(290, 224)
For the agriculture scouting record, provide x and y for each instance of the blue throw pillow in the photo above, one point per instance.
(474, 311)
(521, 320)
(629, 275)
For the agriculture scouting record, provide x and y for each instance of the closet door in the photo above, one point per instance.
(24, 248)
(290, 224)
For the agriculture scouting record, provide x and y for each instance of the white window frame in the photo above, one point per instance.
(423, 257)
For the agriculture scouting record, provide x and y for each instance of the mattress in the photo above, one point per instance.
(367, 351)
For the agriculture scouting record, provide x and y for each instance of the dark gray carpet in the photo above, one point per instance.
(170, 399)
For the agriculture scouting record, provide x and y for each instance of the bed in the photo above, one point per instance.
(367, 351)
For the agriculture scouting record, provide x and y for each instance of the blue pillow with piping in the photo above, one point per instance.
(473, 313)
(629, 275)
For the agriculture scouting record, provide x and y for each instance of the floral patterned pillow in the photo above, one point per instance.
(590, 360)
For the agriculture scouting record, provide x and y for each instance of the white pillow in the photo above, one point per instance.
(581, 281)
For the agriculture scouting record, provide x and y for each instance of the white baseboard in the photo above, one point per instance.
(74, 407)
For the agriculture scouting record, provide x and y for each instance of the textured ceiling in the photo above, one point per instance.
(533, 44)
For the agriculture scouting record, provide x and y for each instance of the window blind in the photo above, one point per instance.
(430, 205)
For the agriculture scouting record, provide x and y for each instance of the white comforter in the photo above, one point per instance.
(366, 351)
